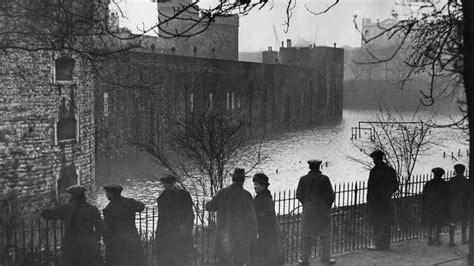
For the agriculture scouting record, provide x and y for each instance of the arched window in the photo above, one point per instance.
(64, 69)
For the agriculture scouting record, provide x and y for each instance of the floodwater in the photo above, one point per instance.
(288, 153)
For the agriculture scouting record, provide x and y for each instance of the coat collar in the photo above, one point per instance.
(264, 191)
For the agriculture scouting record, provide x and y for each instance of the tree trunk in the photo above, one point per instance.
(468, 18)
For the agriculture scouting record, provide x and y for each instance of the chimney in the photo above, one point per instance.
(394, 14)
(213, 50)
(288, 43)
(282, 44)
(173, 50)
(194, 51)
(270, 48)
(334, 45)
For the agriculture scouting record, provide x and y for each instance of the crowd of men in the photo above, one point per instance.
(246, 230)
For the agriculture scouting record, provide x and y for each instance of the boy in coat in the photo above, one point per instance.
(435, 203)
(458, 204)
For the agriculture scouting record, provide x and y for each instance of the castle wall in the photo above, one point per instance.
(328, 64)
(31, 155)
(151, 89)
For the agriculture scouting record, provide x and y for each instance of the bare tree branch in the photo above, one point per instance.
(324, 11)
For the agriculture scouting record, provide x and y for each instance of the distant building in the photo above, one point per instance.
(327, 65)
(218, 40)
(270, 56)
(378, 32)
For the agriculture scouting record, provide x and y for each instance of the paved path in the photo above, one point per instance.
(411, 252)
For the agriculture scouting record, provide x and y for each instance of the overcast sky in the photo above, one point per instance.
(256, 29)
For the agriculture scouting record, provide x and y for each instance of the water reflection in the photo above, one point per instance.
(288, 155)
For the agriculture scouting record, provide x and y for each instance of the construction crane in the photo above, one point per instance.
(277, 40)
(315, 40)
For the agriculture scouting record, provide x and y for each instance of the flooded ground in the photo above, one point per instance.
(289, 152)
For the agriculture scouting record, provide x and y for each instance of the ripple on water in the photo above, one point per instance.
(289, 152)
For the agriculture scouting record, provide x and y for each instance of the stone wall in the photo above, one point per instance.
(31, 155)
(140, 93)
(219, 39)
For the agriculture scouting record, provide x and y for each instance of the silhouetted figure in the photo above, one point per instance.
(458, 204)
(124, 247)
(79, 246)
(317, 196)
(174, 238)
(435, 202)
(381, 185)
(268, 249)
(236, 226)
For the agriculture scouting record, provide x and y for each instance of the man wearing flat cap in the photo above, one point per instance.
(435, 205)
(317, 196)
(83, 227)
(458, 203)
(382, 184)
(174, 238)
(124, 247)
(236, 222)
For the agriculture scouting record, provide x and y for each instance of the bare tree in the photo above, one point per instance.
(402, 140)
(206, 147)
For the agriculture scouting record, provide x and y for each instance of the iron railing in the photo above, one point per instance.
(33, 241)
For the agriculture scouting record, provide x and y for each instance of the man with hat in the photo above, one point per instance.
(174, 238)
(458, 203)
(435, 205)
(83, 227)
(236, 222)
(382, 184)
(317, 196)
(124, 247)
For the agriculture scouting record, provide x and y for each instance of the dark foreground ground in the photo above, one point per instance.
(412, 252)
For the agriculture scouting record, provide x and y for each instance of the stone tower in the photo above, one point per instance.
(46, 120)
(219, 41)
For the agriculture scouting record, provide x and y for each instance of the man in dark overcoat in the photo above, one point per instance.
(124, 247)
(317, 196)
(382, 184)
(268, 251)
(458, 204)
(174, 232)
(435, 205)
(83, 227)
(236, 226)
